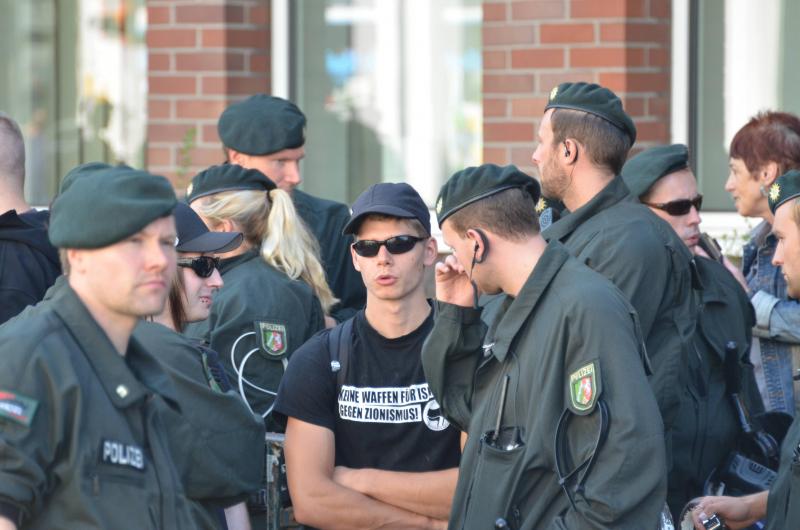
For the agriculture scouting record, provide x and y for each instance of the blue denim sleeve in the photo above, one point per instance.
(776, 318)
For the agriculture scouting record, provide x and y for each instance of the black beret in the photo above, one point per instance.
(226, 177)
(104, 207)
(643, 170)
(786, 188)
(475, 183)
(262, 125)
(594, 99)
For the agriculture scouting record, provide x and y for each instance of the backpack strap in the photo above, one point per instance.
(340, 342)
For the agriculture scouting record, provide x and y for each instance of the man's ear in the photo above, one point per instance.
(235, 157)
(431, 252)
(480, 241)
(570, 152)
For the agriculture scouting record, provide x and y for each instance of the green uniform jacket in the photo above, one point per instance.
(641, 254)
(326, 219)
(217, 442)
(783, 504)
(258, 318)
(565, 318)
(82, 437)
(709, 426)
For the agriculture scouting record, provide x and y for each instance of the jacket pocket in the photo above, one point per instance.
(495, 481)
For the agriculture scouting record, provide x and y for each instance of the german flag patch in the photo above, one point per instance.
(17, 408)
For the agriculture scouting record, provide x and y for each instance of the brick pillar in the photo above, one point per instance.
(531, 46)
(202, 56)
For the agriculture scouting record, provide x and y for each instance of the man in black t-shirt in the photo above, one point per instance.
(367, 445)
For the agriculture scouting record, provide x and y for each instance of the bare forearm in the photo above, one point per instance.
(427, 493)
(330, 506)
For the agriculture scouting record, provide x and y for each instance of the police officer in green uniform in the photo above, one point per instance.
(584, 139)
(260, 316)
(82, 404)
(219, 447)
(268, 133)
(781, 504)
(563, 429)
(709, 426)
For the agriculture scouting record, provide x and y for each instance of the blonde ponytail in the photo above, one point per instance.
(272, 224)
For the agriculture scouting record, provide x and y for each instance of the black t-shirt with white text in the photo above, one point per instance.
(383, 416)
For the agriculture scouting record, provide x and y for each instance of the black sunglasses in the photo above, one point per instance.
(679, 207)
(203, 266)
(369, 248)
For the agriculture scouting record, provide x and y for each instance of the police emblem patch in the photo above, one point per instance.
(774, 192)
(584, 387)
(17, 407)
(273, 338)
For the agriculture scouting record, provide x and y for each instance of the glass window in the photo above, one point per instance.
(73, 73)
(391, 89)
(744, 61)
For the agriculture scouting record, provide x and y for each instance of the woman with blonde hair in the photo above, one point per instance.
(275, 295)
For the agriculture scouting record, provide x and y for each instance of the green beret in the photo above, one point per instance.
(786, 188)
(226, 177)
(643, 170)
(475, 183)
(83, 170)
(594, 99)
(262, 125)
(104, 207)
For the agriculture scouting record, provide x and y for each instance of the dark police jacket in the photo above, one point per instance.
(218, 444)
(258, 318)
(28, 262)
(709, 426)
(82, 433)
(326, 219)
(570, 345)
(641, 254)
(783, 504)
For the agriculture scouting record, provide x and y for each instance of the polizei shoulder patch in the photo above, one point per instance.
(584, 388)
(17, 407)
(272, 338)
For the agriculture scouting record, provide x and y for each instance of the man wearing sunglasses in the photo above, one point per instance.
(708, 425)
(367, 445)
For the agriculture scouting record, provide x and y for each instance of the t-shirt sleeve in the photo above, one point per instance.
(308, 389)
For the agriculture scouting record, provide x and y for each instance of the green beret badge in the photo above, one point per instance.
(554, 93)
(774, 192)
(541, 205)
(439, 206)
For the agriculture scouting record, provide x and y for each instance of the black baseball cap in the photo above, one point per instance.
(194, 235)
(389, 198)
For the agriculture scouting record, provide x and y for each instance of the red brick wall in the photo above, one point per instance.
(530, 46)
(202, 56)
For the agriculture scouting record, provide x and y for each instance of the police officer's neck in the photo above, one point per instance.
(511, 262)
(586, 183)
(399, 317)
(118, 327)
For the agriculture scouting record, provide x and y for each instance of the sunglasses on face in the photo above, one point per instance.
(203, 266)
(679, 207)
(369, 248)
